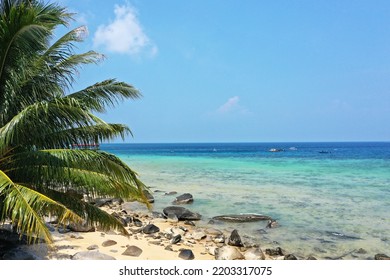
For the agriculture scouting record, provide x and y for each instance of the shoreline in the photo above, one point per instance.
(201, 241)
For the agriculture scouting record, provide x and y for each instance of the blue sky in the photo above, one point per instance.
(243, 71)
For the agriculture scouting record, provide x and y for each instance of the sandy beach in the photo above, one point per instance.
(198, 243)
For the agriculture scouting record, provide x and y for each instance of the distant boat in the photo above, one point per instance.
(324, 152)
(276, 150)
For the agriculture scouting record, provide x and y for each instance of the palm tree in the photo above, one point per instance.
(39, 120)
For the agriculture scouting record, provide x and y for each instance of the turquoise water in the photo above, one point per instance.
(329, 198)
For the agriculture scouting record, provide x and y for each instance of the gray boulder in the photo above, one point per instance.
(132, 251)
(254, 254)
(184, 199)
(244, 218)
(228, 253)
(235, 239)
(181, 213)
(186, 254)
(149, 229)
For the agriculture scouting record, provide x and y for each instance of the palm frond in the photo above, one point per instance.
(26, 208)
(107, 93)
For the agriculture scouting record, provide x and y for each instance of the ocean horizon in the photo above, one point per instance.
(330, 199)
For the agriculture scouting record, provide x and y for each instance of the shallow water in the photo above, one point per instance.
(329, 198)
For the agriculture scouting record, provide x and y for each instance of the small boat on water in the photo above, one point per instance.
(276, 150)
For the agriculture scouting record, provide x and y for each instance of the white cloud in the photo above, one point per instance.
(230, 105)
(125, 34)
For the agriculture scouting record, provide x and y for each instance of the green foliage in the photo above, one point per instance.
(39, 121)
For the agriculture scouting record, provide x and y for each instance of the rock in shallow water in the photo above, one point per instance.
(184, 199)
(181, 213)
(242, 218)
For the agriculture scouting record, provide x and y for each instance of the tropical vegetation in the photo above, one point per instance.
(41, 175)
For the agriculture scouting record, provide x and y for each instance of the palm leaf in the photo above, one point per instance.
(27, 207)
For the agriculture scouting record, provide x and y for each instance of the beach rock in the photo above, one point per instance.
(184, 199)
(176, 239)
(235, 239)
(100, 202)
(91, 255)
(198, 234)
(275, 252)
(228, 253)
(242, 218)
(213, 231)
(219, 238)
(311, 258)
(181, 213)
(93, 247)
(290, 257)
(149, 229)
(81, 227)
(254, 254)
(158, 215)
(137, 222)
(176, 231)
(121, 219)
(189, 223)
(186, 254)
(381, 257)
(272, 224)
(172, 218)
(171, 193)
(108, 243)
(132, 251)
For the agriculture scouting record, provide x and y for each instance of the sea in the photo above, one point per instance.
(330, 200)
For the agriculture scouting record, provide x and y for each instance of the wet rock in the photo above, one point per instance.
(235, 239)
(186, 254)
(381, 257)
(181, 213)
(290, 257)
(132, 251)
(171, 193)
(151, 228)
(361, 251)
(228, 253)
(341, 235)
(311, 258)
(184, 199)
(242, 218)
(108, 243)
(91, 255)
(275, 252)
(272, 224)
